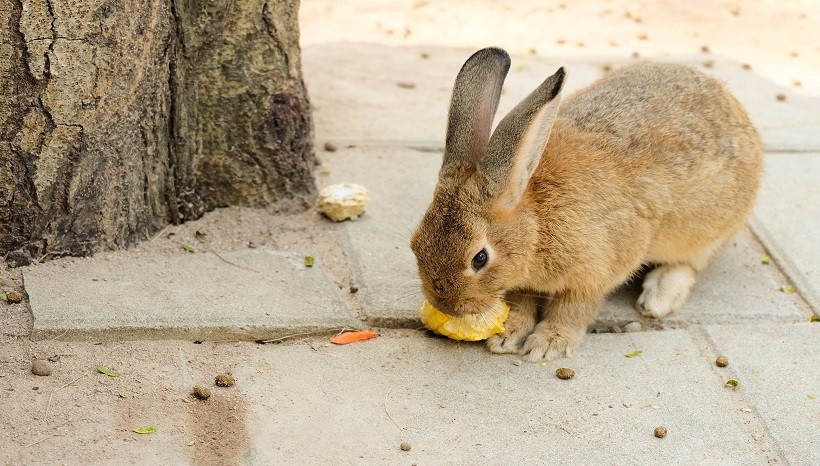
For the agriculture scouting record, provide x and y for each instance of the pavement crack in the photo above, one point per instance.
(757, 429)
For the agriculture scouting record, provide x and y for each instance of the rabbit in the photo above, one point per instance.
(654, 164)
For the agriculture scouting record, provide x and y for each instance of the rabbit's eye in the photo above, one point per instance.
(480, 260)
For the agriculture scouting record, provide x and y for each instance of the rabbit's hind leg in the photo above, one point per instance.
(666, 287)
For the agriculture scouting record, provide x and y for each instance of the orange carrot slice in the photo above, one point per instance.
(353, 337)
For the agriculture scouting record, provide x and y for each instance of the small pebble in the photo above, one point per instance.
(746, 66)
(14, 297)
(636, 55)
(564, 373)
(615, 329)
(424, 55)
(354, 288)
(722, 361)
(405, 446)
(708, 63)
(643, 37)
(516, 362)
(406, 85)
(704, 48)
(660, 432)
(224, 380)
(330, 147)
(781, 97)
(41, 368)
(633, 327)
(202, 392)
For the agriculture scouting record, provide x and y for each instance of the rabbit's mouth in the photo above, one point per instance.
(468, 307)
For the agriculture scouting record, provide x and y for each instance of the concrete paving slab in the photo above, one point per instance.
(779, 375)
(262, 295)
(788, 125)
(396, 95)
(736, 287)
(457, 404)
(401, 184)
(787, 218)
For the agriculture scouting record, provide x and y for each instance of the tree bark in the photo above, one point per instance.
(119, 117)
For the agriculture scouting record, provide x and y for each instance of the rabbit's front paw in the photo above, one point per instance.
(518, 327)
(549, 342)
(665, 289)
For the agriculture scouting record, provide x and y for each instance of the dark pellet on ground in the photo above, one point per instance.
(202, 392)
(224, 380)
(41, 368)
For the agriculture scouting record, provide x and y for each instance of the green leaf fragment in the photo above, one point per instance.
(3, 297)
(788, 288)
(765, 260)
(107, 371)
(732, 383)
(187, 248)
(632, 354)
(814, 318)
(309, 261)
(145, 430)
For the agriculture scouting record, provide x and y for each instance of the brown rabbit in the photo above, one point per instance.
(653, 164)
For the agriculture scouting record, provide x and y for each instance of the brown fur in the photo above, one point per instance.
(656, 163)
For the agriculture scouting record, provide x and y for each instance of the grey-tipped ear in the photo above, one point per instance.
(472, 108)
(519, 140)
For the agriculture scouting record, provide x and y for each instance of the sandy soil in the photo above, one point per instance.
(779, 39)
(78, 415)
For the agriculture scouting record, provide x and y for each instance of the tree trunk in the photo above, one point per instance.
(119, 117)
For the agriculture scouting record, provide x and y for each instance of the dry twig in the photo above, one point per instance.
(234, 263)
(304, 334)
(48, 405)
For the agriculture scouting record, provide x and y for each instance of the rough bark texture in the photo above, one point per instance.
(119, 117)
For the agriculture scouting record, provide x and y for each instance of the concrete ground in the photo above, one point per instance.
(244, 302)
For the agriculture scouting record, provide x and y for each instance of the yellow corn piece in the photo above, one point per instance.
(472, 327)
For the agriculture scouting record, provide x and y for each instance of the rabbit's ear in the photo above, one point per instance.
(472, 108)
(519, 140)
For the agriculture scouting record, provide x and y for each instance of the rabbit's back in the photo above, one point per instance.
(654, 102)
(670, 139)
